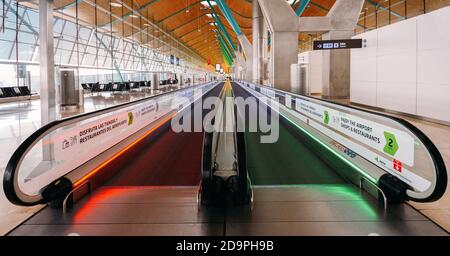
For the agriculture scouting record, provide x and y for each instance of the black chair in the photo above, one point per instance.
(126, 86)
(2, 95)
(99, 87)
(134, 85)
(85, 86)
(24, 91)
(16, 91)
(121, 87)
(95, 87)
(109, 87)
(8, 92)
(115, 87)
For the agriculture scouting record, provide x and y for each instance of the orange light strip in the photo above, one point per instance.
(98, 168)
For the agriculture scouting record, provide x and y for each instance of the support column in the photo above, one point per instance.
(284, 52)
(47, 62)
(47, 71)
(242, 66)
(245, 53)
(283, 24)
(343, 18)
(257, 42)
(265, 52)
(336, 68)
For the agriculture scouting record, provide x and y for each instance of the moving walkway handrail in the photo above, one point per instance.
(10, 182)
(440, 172)
(241, 157)
(210, 188)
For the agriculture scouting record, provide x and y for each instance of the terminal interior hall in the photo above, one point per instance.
(224, 117)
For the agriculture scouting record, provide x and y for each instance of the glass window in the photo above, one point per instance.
(62, 56)
(57, 26)
(84, 34)
(70, 29)
(26, 51)
(27, 37)
(5, 49)
(8, 35)
(33, 18)
(66, 45)
(89, 60)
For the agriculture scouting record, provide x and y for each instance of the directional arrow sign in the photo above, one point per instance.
(337, 44)
(391, 146)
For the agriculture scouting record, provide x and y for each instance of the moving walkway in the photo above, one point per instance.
(334, 170)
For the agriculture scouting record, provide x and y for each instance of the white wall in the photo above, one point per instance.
(314, 61)
(406, 67)
(315, 72)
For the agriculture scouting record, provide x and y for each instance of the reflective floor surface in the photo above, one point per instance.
(300, 210)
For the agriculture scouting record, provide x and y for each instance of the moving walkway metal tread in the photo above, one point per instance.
(301, 210)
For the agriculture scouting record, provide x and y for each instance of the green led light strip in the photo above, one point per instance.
(372, 179)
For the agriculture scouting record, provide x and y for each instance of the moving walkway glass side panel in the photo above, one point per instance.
(376, 144)
(59, 147)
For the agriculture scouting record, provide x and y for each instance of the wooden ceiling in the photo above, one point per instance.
(179, 22)
(183, 20)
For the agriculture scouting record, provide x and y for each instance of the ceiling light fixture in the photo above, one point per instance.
(205, 3)
(114, 4)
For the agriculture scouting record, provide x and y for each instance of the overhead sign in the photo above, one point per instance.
(338, 44)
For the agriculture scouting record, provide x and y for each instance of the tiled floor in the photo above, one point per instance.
(320, 210)
(20, 119)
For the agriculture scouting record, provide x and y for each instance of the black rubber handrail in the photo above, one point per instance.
(441, 171)
(11, 167)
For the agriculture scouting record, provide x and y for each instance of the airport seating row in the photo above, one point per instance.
(115, 87)
(168, 81)
(8, 92)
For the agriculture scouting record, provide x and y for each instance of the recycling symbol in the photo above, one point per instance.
(391, 146)
(326, 117)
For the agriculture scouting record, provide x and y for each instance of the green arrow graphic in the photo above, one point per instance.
(326, 117)
(391, 146)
